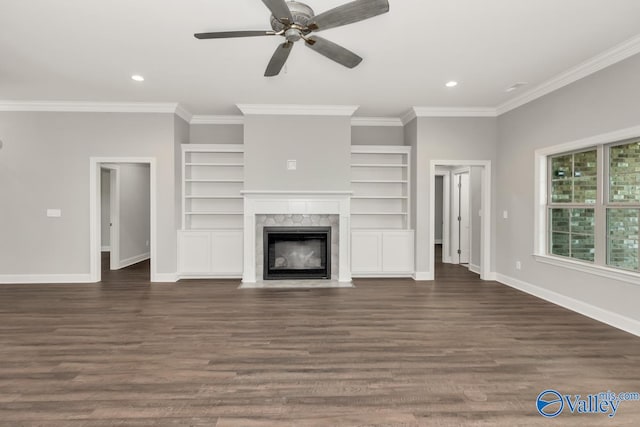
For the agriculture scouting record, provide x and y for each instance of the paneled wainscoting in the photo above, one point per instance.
(392, 352)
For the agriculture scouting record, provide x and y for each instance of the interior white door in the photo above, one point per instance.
(461, 227)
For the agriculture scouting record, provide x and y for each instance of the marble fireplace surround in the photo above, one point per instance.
(314, 206)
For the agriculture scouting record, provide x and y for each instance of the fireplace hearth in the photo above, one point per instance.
(297, 253)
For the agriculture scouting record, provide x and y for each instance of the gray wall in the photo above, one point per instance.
(444, 139)
(377, 135)
(603, 102)
(134, 194)
(216, 134)
(321, 145)
(37, 144)
(105, 207)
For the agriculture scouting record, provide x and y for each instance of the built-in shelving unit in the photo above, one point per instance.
(381, 188)
(213, 177)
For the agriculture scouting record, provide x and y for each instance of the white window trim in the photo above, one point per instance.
(540, 206)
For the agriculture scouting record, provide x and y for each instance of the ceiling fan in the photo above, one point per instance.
(294, 21)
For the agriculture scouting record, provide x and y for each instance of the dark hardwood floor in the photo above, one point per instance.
(453, 352)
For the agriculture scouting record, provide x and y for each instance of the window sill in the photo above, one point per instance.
(598, 270)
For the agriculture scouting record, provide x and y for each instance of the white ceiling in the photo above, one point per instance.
(86, 50)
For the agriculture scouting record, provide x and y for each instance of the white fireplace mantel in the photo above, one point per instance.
(301, 203)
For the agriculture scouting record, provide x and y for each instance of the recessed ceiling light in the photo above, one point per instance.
(137, 77)
(452, 84)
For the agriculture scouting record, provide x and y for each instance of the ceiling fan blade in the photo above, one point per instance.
(349, 13)
(333, 51)
(278, 59)
(279, 10)
(231, 34)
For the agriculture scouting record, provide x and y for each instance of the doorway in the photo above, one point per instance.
(469, 196)
(132, 214)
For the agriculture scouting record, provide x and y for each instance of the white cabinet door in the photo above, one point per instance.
(194, 251)
(397, 252)
(227, 252)
(366, 252)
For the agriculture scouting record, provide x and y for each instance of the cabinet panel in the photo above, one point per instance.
(397, 252)
(366, 252)
(227, 252)
(194, 252)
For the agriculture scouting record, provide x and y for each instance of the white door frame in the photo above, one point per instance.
(485, 219)
(114, 220)
(95, 245)
(446, 201)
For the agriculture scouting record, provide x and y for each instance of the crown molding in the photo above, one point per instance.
(376, 121)
(217, 120)
(183, 113)
(93, 107)
(599, 62)
(416, 112)
(298, 110)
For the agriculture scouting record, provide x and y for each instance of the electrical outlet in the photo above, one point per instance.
(518, 265)
(54, 213)
(292, 165)
(505, 214)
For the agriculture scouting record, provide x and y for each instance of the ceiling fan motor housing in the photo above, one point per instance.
(301, 13)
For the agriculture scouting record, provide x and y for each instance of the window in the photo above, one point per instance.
(593, 205)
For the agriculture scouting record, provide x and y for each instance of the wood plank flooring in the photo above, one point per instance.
(453, 352)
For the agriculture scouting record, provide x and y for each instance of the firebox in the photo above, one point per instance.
(297, 253)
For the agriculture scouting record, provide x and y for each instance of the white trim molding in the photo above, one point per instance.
(6, 279)
(298, 110)
(217, 120)
(92, 107)
(599, 62)
(598, 270)
(420, 276)
(134, 260)
(610, 318)
(376, 121)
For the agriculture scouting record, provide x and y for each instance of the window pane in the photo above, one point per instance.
(583, 221)
(623, 235)
(561, 179)
(624, 173)
(582, 247)
(585, 190)
(560, 220)
(560, 244)
(585, 164)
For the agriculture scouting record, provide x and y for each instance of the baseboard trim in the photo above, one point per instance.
(105, 249)
(610, 318)
(164, 278)
(381, 276)
(474, 268)
(134, 260)
(7, 279)
(437, 241)
(232, 276)
(423, 276)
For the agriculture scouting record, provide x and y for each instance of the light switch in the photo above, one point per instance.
(505, 214)
(292, 165)
(54, 213)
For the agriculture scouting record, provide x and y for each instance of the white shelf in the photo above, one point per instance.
(381, 188)
(212, 179)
